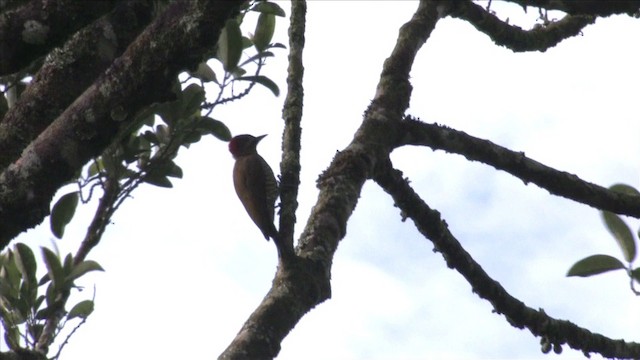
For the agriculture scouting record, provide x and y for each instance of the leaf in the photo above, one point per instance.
(44, 279)
(621, 233)
(263, 54)
(277, 45)
(625, 189)
(230, 45)
(54, 267)
(595, 264)
(10, 276)
(45, 313)
(263, 80)
(35, 330)
(26, 263)
(67, 264)
(214, 127)
(62, 213)
(163, 133)
(635, 274)
(264, 31)
(204, 73)
(268, 8)
(82, 310)
(158, 180)
(81, 269)
(175, 171)
(95, 167)
(190, 99)
(246, 43)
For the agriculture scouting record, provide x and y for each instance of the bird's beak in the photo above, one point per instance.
(258, 138)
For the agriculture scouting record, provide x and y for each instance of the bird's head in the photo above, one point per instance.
(243, 145)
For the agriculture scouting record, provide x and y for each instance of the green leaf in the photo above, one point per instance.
(26, 263)
(50, 295)
(621, 233)
(81, 269)
(163, 133)
(595, 264)
(246, 43)
(625, 189)
(35, 330)
(230, 45)
(191, 99)
(238, 72)
(214, 127)
(44, 279)
(635, 274)
(158, 180)
(38, 302)
(10, 276)
(268, 8)
(45, 313)
(263, 54)
(95, 167)
(264, 31)
(277, 45)
(82, 310)
(6, 291)
(67, 264)
(263, 80)
(175, 171)
(62, 213)
(204, 73)
(54, 267)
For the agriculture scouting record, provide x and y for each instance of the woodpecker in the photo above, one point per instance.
(255, 184)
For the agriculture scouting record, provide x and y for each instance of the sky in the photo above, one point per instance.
(186, 266)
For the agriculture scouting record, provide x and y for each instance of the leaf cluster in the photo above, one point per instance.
(27, 303)
(622, 234)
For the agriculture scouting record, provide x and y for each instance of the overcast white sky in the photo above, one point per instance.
(185, 267)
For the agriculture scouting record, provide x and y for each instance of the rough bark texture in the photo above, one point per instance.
(537, 39)
(72, 68)
(304, 282)
(56, 127)
(32, 30)
(178, 39)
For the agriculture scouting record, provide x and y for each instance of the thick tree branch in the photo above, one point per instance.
(516, 163)
(32, 30)
(292, 115)
(512, 37)
(586, 7)
(304, 282)
(179, 38)
(430, 224)
(72, 68)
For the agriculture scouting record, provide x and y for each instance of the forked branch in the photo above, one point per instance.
(553, 331)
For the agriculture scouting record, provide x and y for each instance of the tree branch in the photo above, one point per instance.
(557, 182)
(554, 331)
(32, 30)
(179, 38)
(585, 7)
(305, 282)
(72, 68)
(292, 115)
(512, 37)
